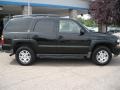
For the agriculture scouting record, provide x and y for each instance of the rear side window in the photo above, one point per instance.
(18, 25)
(45, 26)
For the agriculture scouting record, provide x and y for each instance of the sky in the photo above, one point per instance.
(85, 16)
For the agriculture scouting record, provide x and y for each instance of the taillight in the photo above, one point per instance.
(2, 39)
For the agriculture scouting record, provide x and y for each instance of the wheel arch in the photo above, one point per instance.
(108, 45)
(19, 43)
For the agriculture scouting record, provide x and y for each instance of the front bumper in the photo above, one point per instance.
(116, 50)
(118, 46)
(0, 48)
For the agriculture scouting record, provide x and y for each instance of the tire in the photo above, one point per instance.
(25, 56)
(101, 55)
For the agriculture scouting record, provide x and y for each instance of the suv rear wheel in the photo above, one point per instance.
(101, 55)
(25, 55)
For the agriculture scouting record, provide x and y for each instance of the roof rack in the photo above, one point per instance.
(36, 15)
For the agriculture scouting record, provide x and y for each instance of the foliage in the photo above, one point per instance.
(106, 11)
(88, 23)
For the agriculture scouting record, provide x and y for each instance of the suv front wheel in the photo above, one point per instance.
(101, 55)
(25, 55)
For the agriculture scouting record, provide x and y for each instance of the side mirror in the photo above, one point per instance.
(82, 32)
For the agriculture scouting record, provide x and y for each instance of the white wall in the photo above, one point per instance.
(72, 3)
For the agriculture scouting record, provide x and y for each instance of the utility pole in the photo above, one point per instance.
(29, 7)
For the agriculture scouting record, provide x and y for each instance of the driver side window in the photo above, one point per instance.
(69, 26)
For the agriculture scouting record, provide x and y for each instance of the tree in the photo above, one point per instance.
(116, 13)
(88, 22)
(104, 12)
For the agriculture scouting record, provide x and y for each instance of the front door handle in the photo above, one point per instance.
(60, 37)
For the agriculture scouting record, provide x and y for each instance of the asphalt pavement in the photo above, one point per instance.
(58, 74)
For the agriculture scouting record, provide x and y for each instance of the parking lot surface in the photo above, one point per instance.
(58, 74)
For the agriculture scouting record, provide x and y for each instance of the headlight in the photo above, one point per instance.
(118, 41)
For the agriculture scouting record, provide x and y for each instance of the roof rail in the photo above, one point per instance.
(36, 15)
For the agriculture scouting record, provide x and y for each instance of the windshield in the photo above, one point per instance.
(91, 29)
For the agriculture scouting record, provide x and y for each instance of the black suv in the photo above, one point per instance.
(33, 35)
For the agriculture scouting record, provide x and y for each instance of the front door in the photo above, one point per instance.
(69, 39)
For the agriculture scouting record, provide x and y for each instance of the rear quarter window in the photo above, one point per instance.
(18, 25)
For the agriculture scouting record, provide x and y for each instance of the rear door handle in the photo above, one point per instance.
(36, 37)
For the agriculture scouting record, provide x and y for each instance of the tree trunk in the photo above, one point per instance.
(102, 28)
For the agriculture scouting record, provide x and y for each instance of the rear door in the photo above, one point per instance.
(69, 39)
(45, 35)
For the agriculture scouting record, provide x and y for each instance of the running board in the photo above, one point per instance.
(62, 56)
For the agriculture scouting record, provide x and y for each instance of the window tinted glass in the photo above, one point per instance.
(45, 26)
(69, 26)
(18, 25)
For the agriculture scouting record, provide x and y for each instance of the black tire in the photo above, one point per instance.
(99, 59)
(30, 54)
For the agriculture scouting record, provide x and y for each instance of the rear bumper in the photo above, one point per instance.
(6, 47)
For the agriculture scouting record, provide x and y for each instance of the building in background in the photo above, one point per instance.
(69, 8)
